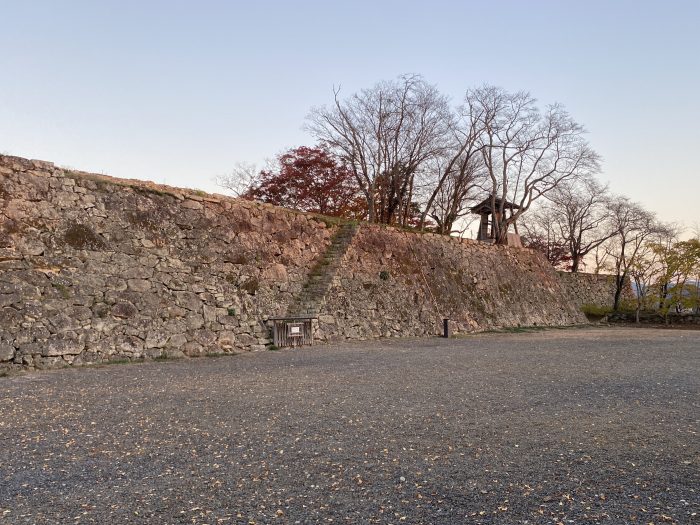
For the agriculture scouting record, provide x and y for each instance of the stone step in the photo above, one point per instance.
(318, 285)
(311, 296)
(316, 279)
(315, 289)
(320, 279)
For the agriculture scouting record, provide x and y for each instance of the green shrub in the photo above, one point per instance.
(596, 310)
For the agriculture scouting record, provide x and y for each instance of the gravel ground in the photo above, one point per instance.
(563, 426)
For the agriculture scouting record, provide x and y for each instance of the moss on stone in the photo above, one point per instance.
(251, 286)
(61, 289)
(81, 237)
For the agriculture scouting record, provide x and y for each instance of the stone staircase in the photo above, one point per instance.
(310, 300)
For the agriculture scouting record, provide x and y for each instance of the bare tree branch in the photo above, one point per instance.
(386, 135)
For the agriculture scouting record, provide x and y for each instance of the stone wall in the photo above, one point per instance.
(587, 289)
(95, 269)
(394, 283)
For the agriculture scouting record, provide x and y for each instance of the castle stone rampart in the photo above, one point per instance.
(95, 269)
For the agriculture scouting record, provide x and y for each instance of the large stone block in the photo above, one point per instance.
(193, 349)
(7, 352)
(124, 310)
(189, 301)
(276, 273)
(177, 340)
(58, 347)
(244, 340)
(194, 321)
(157, 338)
(139, 285)
(226, 339)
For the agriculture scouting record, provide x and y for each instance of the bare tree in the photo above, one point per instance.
(695, 231)
(452, 193)
(601, 260)
(386, 135)
(242, 178)
(662, 246)
(541, 232)
(662, 268)
(526, 153)
(460, 171)
(679, 261)
(644, 272)
(632, 225)
(579, 210)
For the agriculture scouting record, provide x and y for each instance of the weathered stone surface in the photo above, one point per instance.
(174, 353)
(205, 337)
(276, 273)
(586, 289)
(9, 299)
(7, 351)
(31, 247)
(193, 349)
(138, 285)
(246, 340)
(157, 339)
(177, 340)
(124, 310)
(189, 301)
(58, 347)
(123, 270)
(210, 314)
(226, 339)
(194, 321)
(192, 204)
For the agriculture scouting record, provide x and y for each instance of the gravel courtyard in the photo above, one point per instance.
(562, 426)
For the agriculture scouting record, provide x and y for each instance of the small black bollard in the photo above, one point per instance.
(446, 331)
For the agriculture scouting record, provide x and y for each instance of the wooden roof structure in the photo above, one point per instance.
(491, 217)
(485, 206)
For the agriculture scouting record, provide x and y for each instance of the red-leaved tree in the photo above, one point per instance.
(311, 180)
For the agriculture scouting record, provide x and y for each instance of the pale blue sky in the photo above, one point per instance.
(178, 92)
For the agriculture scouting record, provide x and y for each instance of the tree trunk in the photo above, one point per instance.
(575, 263)
(619, 282)
(371, 210)
(663, 290)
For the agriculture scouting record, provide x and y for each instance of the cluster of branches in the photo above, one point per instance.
(573, 222)
(666, 274)
(414, 160)
(581, 224)
(400, 153)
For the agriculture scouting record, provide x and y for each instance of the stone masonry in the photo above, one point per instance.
(395, 283)
(96, 269)
(597, 290)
